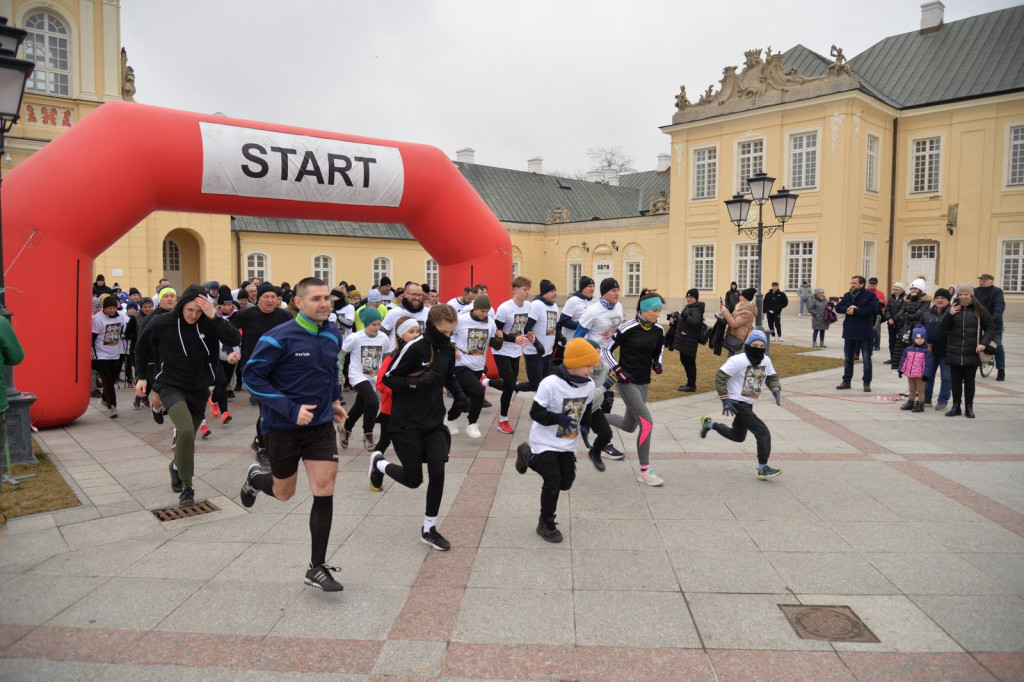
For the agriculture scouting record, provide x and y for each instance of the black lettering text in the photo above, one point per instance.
(310, 167)
(284, 152)
(261, 165)
(366, 168)
(332, 168)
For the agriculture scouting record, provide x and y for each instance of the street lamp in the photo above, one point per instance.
(783, 203)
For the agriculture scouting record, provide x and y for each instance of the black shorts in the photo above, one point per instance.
(286, 447)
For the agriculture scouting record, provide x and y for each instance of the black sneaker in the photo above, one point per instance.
(610, 452)
(187, 498)
(486, 403)
(549, 531)
(248, 496)
(175, 481)
(434, 539)
(320, 577)
(376, 477)
(595, 459)
(158, 416)
(231, 395)
(522, 457)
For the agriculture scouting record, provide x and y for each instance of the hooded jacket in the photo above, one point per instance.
(963, 334)
(181, 355)
(687, 328)
(417, 378)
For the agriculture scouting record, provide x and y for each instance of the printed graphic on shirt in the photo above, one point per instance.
(518, 324)
(552, 319)
(370, 357)
(476, 341)
(574, 408)
(753, 380)
(112, 334)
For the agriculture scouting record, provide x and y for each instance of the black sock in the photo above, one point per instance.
(264, 483)
(320, 518)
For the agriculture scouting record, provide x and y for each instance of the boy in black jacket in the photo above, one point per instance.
(417, 377)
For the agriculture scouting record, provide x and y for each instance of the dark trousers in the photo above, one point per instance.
(558, 469)
(745, 421)
(224, 370)
(508, 370)
(537, 367)
(963, 383)
(413, 450)
(850, 348)
(366, 406)
(384, 440)
(892, 337)
(689, 363)
(107, 370)
(997, 338)
(474, 390)
(774, 323)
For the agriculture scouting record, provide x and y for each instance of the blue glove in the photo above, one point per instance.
(728, 408)
(778, 396)
(567, 421)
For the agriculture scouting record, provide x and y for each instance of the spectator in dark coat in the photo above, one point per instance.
(991, 298)
(819, 322)
(906, 318)
(891, 310)
(932, 321)
(860, 307)
(732, 297)
(968, 330)
(774, 301)
(685, 337)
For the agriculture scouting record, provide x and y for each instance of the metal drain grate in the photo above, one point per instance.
(828, 623)
(174, 512)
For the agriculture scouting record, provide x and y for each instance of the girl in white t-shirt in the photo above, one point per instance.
(367, 349)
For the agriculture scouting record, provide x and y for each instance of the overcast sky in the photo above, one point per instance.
(512, 79)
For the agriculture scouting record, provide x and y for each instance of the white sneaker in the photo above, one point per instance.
(650, 478)
(473, 431)
(452, 427)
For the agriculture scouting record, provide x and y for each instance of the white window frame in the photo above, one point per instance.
(43, 70)
(872, 161)
(575, 270)
(707, 282)
(806, 153)
(250, 272)
(634, 280)
(912, 164)
(751, 257)
(741, 178)
(167, 255)
(710, 167)
(1003, 280)
(317, 272)
(380, 266)
(431, 274)
(1007, 164)
(788, 260)
(868, 262)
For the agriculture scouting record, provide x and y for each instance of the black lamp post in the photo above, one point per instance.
(783, 204)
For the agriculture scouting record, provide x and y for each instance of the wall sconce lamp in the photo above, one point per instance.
(583, 245)
(949, 227)
(614, 245)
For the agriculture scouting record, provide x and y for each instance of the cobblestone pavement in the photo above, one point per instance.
(914, 521)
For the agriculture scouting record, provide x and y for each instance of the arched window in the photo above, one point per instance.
(431, 278)
(323, 268)
(381, 268)
(256, 266)
(47, 46)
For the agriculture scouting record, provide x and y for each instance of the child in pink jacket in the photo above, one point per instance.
(916, 364)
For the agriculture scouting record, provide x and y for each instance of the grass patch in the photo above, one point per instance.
(45, 492)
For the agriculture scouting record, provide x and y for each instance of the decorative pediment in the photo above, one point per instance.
(559, 214)
(763, 83)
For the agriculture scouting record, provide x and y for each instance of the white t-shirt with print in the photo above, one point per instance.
(555, 394)
(471, 338)
(514, 318)
(108, 331)
(601, 322)
(745, 380)
(367, 352)
(545, 318)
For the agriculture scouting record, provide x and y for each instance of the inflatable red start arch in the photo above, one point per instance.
(70, 201)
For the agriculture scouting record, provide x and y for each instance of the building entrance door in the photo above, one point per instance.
(601, 271)
(922, 261)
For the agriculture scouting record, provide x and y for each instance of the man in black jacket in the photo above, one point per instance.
(418, 376)
(774, 301)
(991, 298)
(684, 337)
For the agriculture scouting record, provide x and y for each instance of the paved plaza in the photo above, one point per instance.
(913, 521)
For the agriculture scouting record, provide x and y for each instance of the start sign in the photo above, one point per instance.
(273, 165)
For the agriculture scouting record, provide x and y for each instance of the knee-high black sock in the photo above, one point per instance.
(264, 483)
(320, 518)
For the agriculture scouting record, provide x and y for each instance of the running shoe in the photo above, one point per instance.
(214, 407)
(522, 457)
(175, 480)
(174, 437)
(595, 459)
(452, 427)
(204, 430)
(434, 539)
(137, 404)
(343, 436)
(766, 472)
(248, 496)
(705, 426)
(225, 418)
(549, 530)
(650, 478)
(187, 498)
(320, 577)
(112, 413)
(368, 441)
(473, 431)
(376, 477)
(610, 452)
(505, 427)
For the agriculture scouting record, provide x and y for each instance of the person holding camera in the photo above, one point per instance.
(684, 336)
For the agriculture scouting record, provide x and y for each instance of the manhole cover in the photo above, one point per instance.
(174, 512)
(829, 623)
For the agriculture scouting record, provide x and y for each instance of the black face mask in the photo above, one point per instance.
(339, 303)
(435, 337)
(755, 355)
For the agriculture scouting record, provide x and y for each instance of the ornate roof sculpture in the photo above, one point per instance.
(763, 83)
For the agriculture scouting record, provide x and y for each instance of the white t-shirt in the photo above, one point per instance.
(347, 314)
(471, 338)
(108, 331)
(511, 320)
(574, 307)
(459, 306)
(545, 318)
(555, 394)
(745, 380)
(395, 314)
(367, 352)
(601, 323)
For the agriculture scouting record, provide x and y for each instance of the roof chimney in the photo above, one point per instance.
(594, 176)
(664, 162)
(931, 16)
(465, 155)
(535, 165)
(611, 175)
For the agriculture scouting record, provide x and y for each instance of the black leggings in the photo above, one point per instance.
(508, 370)
(963, 383)
(384, 439)
(558, 469)
(746, 421)
(689, 363)
(366, 406)
(224, 370)
(537, 367)
(414, 449)
(474, 390)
